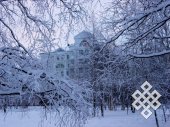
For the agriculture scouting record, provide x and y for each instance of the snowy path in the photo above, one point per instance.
(35, 118)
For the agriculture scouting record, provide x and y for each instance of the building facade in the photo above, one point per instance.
(74, 62)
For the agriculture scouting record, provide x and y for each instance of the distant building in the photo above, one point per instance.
(73, 62)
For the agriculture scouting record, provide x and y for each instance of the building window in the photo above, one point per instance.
(84, 43)
(71, 71)
(62, 73)
(72, 61)
(59, 66)
(81, 61)
(62, 58)
(86, 52)
(81, 52)
(86, 61)
(68, 56)
(87, 69)
(80, 70)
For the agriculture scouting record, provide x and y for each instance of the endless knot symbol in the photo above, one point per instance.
(146, 100)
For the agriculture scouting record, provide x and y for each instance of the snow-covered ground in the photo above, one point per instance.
(36, 118)
(121, 119)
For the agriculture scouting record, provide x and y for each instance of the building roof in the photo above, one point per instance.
(59, 50)
(83, 35)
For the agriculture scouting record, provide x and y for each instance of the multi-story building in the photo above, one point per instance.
(73, 62)
(55, 62)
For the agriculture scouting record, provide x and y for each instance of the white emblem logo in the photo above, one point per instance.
(146, 99)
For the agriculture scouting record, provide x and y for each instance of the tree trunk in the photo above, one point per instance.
(164, 113)
(132, 109)
(127, 106)
(111, 103)
(94, 105)
(102, 108)
(156, 118)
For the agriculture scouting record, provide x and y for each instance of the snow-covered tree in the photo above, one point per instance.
(38, 23)
(138, 22)
(27, 27)
(23, 79)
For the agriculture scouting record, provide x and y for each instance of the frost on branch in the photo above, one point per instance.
(23, 82)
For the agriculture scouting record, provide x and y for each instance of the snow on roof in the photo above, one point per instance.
(56, 51)
(59, 50)
(84, 34)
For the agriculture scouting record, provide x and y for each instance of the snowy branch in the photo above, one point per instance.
(150, 55)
